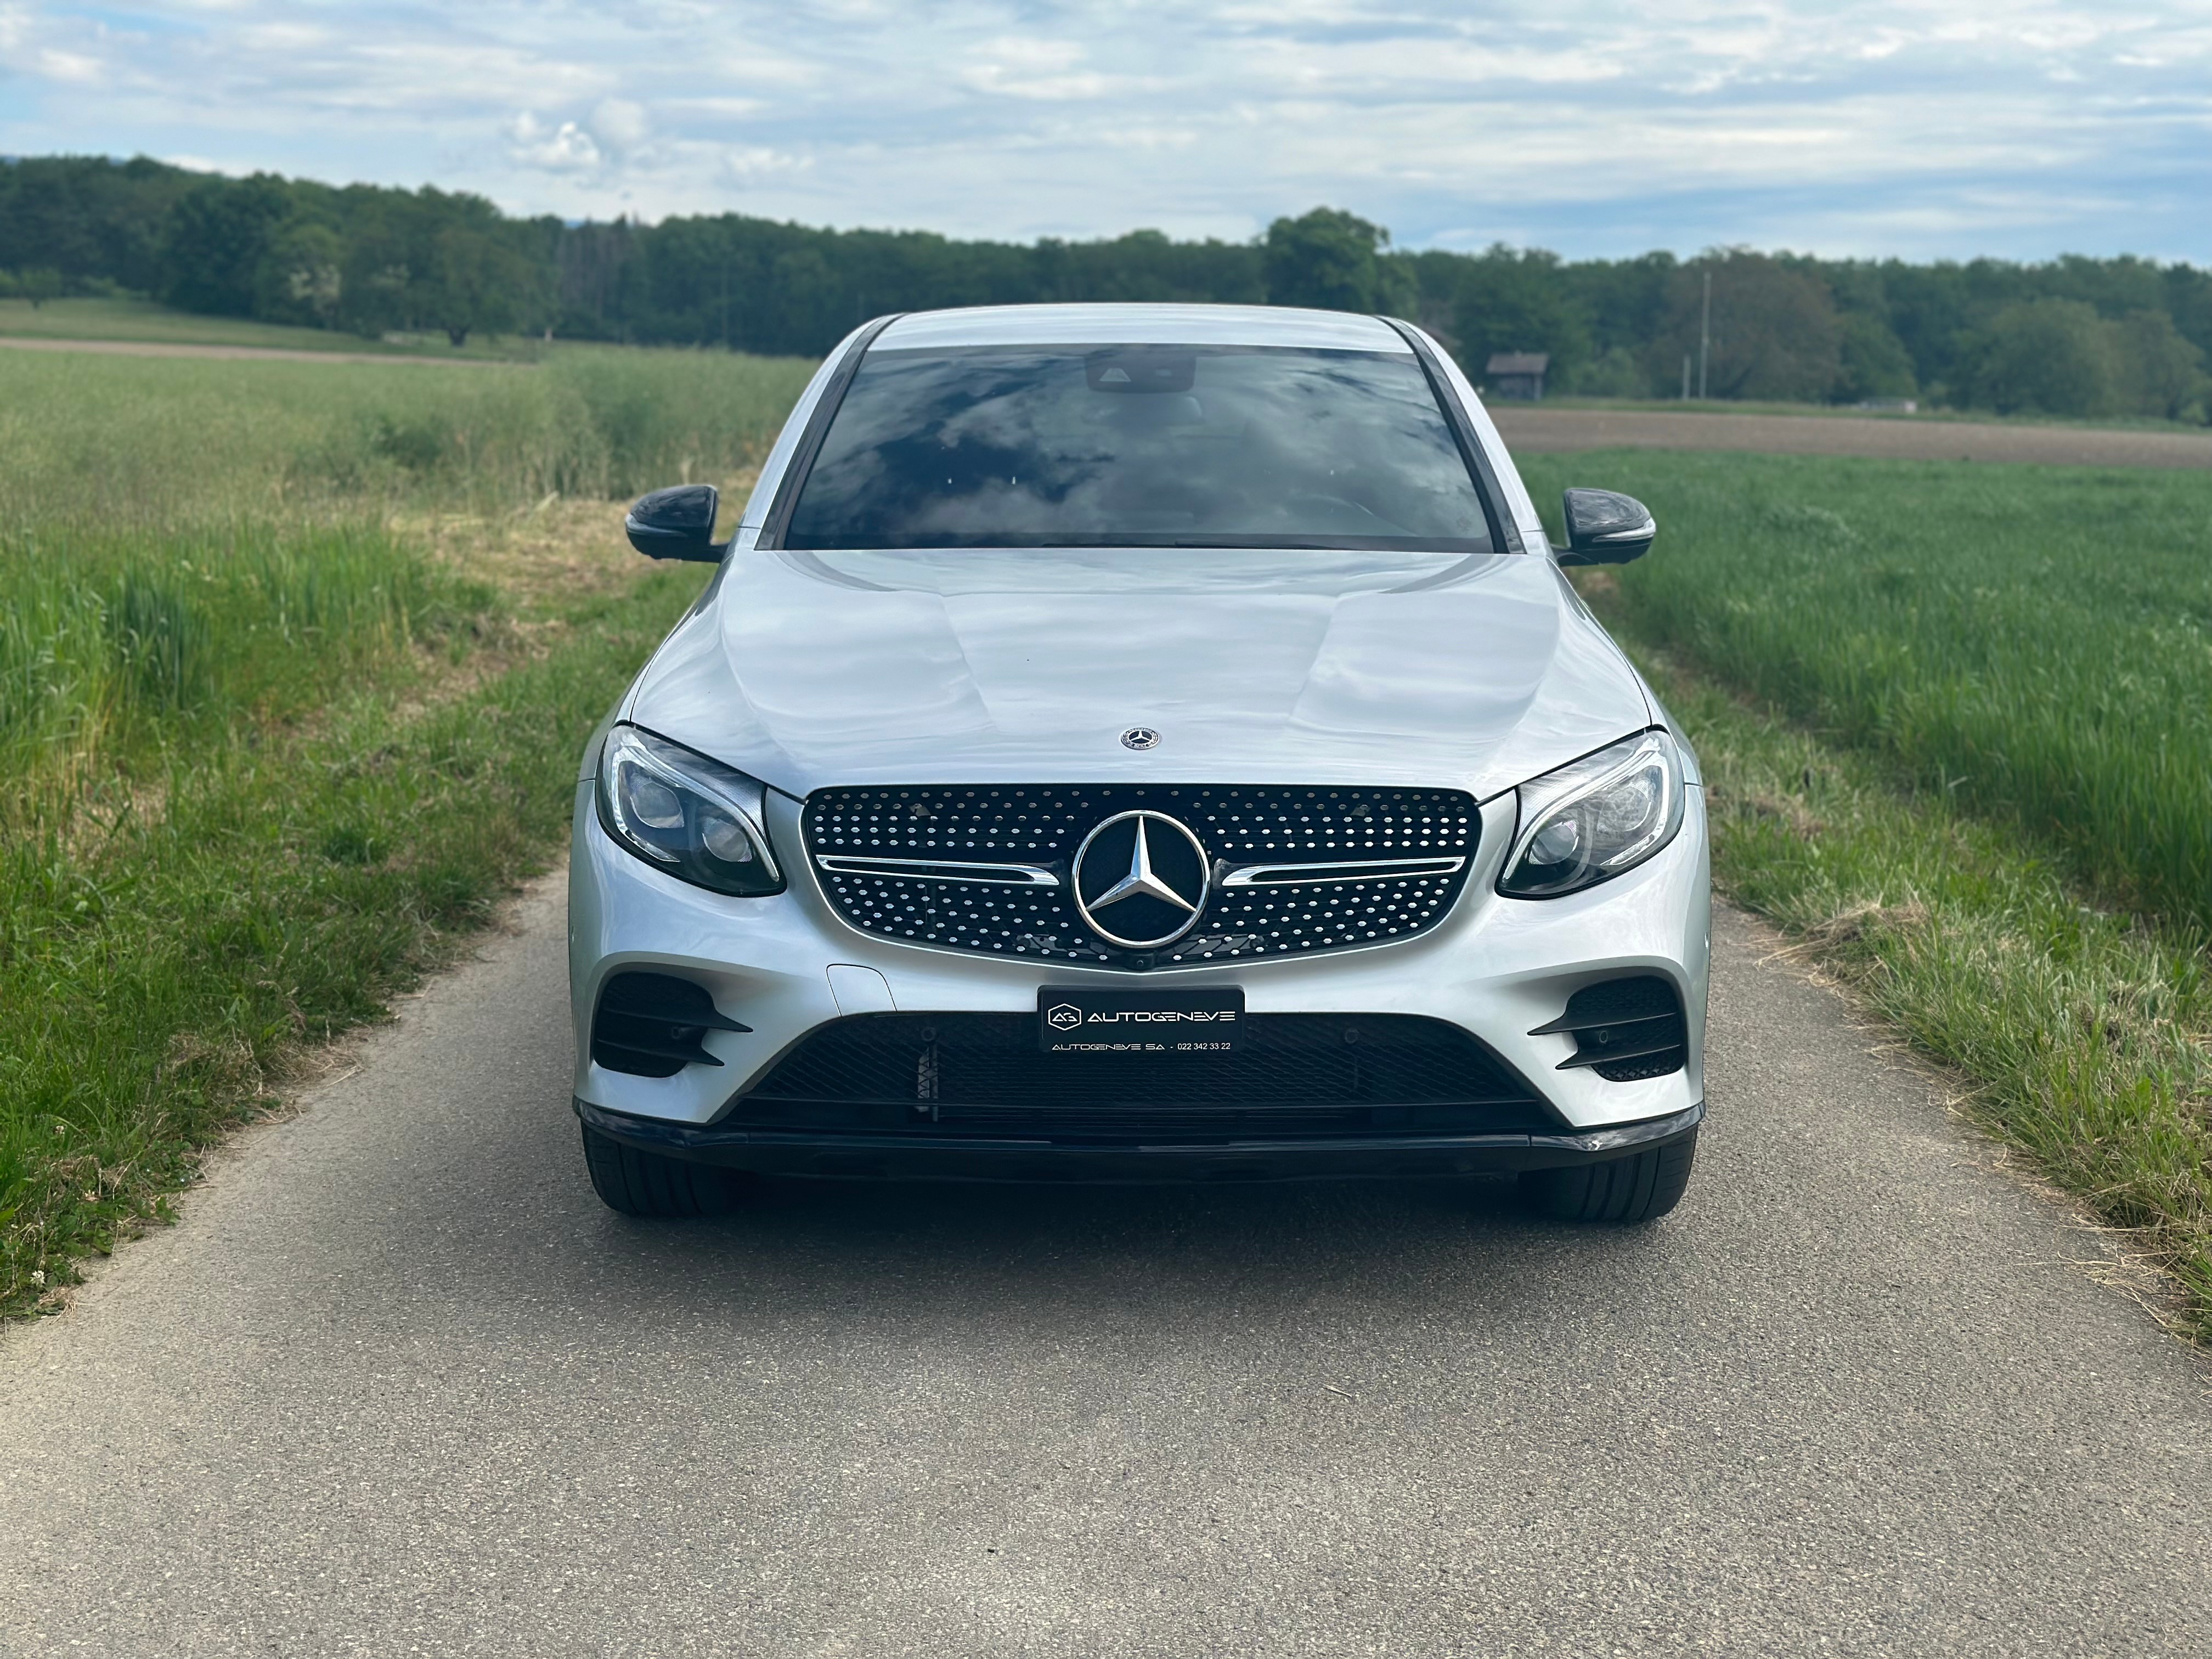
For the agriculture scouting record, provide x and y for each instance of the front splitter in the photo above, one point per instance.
(918, 1158)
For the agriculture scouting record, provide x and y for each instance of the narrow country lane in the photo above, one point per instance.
(397, 1384)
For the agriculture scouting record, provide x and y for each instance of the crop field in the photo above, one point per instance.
(293, 662)
(1958, 721)
(92, 319)
(2037, 641)
(132, 443)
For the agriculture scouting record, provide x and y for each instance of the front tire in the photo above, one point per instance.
(639, 1183)
(1621, 1191)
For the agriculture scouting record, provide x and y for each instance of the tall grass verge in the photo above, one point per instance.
(2085, 1033)
(294, 665)
(1957, 727)
(2036, 642)
(115, 649)
(156, 967)
(155, 443)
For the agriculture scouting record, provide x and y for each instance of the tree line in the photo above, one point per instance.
(2075, 336)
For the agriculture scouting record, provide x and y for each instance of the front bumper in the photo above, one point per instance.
(1498, 969)
(918, 1158)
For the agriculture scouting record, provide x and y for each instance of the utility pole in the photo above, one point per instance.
(1685, 377)
(1705, 337)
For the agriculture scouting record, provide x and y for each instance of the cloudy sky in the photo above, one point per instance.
(1918, 127)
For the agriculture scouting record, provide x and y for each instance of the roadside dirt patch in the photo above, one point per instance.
(1562, 431)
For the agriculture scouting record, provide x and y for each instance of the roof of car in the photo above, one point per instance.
(1141, 325)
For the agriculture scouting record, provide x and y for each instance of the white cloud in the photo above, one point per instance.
(727, 108)
(1017, 67)
(620, 123)
(752, 164)
(285, 36)
(71, 68)
(565, 149)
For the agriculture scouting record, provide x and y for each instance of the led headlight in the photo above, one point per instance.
(1595, 817)
(693, 818)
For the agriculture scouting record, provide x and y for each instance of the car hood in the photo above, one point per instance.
(1012, 666)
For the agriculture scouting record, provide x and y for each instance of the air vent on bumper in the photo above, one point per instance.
(949, 1075)
(649, 1024)
(1625, 1030)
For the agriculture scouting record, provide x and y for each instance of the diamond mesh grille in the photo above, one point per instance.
(1044, 824)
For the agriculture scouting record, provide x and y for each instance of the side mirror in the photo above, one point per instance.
(676, 523)
(1604, 528)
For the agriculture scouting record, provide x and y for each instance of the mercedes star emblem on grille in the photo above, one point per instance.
(1141, 878)
(1140, 736)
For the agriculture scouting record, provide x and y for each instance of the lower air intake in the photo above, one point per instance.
(650, 1025)
(1293, 1075)
(1625, 1030)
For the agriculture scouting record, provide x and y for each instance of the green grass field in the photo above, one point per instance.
(1845, 412)
(295, 659)
(157, 442)
(143, 320)
(1958, 723)
(2035, 641)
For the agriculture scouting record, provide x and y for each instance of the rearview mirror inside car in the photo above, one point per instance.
(1604, 527)
(678, 523)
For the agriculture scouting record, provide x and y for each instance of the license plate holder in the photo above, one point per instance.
(1164, 1020)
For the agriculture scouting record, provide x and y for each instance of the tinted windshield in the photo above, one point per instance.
(1139, 446)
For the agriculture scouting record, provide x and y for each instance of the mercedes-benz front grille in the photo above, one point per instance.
(1139, 876)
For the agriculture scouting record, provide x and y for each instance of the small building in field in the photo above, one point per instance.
(1517, 374)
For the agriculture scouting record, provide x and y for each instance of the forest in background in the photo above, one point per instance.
(2081, 337)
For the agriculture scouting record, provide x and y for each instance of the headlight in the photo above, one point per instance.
(1595, 817)
(693, 818)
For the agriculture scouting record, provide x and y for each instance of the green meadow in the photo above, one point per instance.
(1957, 725)
(119, 317)
(294, 660)
(2036, 641)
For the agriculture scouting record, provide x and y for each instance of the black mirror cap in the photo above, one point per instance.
(677, 523)
(1604, 527)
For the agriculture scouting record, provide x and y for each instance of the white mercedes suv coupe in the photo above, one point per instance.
(1132, 743)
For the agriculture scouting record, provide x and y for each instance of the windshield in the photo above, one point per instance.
(1074, 446)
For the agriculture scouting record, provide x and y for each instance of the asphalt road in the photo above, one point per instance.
(397, 1385)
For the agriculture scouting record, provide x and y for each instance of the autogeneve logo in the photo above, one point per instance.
(1064, 1018)
(1141, 879)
